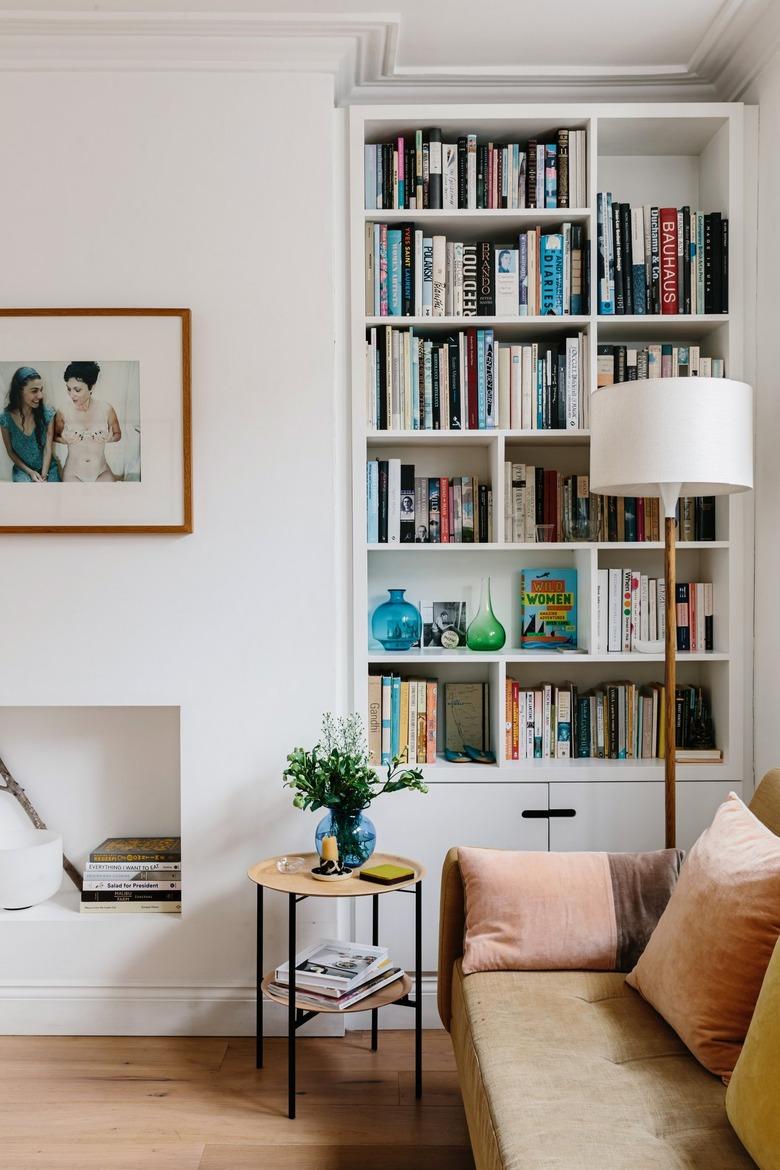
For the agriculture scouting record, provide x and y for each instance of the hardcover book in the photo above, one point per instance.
(548, 609)
(136, 849)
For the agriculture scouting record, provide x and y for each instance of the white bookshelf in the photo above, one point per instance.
(660, 154)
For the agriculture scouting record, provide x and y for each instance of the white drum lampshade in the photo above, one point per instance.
(30, 866)
(672, 437)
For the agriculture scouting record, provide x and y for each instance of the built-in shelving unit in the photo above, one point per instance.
(657, 154)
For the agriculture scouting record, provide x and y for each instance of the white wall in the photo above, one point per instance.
(765, 91)
(184, 189)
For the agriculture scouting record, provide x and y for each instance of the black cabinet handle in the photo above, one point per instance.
(544, 814)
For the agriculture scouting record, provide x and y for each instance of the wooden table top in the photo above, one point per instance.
(267, 875)
(390, 994)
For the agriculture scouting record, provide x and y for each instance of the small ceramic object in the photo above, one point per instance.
(290, 864)
(331, 871)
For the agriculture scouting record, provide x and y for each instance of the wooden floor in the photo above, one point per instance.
(188, 1103)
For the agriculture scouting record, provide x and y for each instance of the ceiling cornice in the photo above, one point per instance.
(361, 54)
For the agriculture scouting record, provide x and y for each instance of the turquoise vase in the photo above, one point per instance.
(354, 832)
(396, 623)
(485, 631)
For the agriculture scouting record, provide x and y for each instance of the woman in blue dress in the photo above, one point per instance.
(27, 427)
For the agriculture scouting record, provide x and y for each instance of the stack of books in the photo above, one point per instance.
(536, 273)
(133, 875)
(630, 606)
(471, 381)
(402, 719)
(336, 975)
(424, 171)
(404, 508)
(661, 259)
(625, 363)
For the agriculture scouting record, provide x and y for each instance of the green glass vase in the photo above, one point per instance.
(485, 631)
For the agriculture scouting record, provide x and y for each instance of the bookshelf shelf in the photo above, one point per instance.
(659, 154)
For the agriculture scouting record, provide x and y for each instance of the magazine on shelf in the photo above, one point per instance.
(306, 995)
(338, 964)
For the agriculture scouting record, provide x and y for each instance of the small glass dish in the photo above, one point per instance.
(545, 533)
(290, 864)
(580, 528)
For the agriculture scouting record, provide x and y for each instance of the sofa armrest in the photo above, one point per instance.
(452, 921)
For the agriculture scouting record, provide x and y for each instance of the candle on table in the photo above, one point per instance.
(330, 849)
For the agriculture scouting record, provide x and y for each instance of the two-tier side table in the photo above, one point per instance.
(298, 886)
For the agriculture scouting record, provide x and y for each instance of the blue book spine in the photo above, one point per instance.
(551, 176)
(394, 272)
(540, 394)
(372, 501)
(491, 405)
(428, 382)
(386, 719)
(415, 348)
(481, 395)
(522, 268)
(369, 176)
(427, 280)
(552, 275)
(395, 716)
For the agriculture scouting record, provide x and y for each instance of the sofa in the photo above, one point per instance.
(573, 1070)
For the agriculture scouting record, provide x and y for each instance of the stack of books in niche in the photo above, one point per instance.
(537, 273)
(404, 508)
(133, 875)
(667, 260)
(402, 719)
(334, 975)
(423, 170)
(472, 381)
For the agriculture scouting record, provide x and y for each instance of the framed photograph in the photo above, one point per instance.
(95, 427)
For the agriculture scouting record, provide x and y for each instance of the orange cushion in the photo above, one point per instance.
(704, 964)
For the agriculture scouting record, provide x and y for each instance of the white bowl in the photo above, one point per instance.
(30, 866)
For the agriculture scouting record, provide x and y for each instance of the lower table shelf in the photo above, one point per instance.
(386, 995)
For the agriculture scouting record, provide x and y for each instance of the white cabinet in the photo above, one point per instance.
(617, 817)
(424, 828)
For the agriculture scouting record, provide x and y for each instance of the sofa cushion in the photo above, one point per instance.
(704, 964)
(753, 1097)
(562, 911)
(572, 1070)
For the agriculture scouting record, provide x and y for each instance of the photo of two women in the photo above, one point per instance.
(70, 422)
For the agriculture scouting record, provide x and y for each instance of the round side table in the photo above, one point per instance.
(298, 886)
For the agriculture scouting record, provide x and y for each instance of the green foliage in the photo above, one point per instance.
(336, 773)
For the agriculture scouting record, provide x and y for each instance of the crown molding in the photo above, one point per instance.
(361, 54)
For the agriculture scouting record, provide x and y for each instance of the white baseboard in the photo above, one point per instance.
(47, 1010)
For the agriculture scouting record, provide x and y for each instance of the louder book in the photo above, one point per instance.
(548, 609)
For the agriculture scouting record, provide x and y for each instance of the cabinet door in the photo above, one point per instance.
(617, 817)
(697, 801)
(424, 828)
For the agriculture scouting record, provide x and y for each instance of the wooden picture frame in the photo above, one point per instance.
(114, 437)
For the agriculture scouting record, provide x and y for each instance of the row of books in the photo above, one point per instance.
(631, 607)
(660, 260)
(402, 719)
(404, 508)
(336, 974)
(423, 171)
(622, 363)
(471, 381)
(133, 875)
(614, 721)
(411, 274)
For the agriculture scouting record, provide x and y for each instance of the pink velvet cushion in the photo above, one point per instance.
(704, 965)
(561, 911)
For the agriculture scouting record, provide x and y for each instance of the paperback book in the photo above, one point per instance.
(549, 609)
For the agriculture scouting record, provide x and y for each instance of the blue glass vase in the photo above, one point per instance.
(354, 832)
(396, 623)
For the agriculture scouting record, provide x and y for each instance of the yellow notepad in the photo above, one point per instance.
(387, 875)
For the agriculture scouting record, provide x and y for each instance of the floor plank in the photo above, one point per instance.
(189, 1103)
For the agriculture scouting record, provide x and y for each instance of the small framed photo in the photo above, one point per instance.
(95, 426)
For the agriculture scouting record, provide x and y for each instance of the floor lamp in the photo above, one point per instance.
(671, 437)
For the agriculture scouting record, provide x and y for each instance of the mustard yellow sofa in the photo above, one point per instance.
(573, 1070)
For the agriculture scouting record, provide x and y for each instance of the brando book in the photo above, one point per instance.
(548, 609)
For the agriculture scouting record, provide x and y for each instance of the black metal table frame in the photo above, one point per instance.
(296, 1017)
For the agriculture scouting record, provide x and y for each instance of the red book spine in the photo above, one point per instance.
(444, 504)
(431, 696)
(667, 231)
(515, 719)
(471, 363)
(640, 518)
